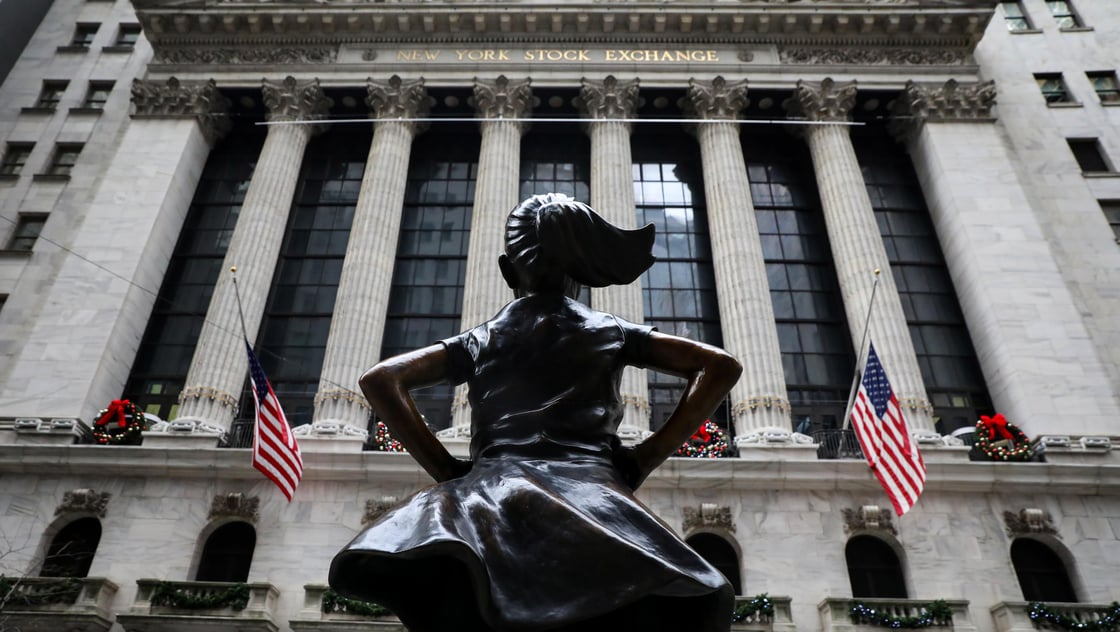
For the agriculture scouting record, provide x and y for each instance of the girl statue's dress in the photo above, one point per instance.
(543, 532)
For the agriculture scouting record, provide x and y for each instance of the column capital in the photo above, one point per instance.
(173, 98)
(609, 98)
(717, 99)
(398, 99)
(950, 101)
(503, 98)
(292, 100)
(829, 102)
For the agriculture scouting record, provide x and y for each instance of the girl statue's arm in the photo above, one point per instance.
(711, 372)
(386, 386)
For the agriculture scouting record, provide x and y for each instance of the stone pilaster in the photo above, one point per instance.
(358, 324)
(759, 399)
(998, 254)
(496, 193)
(607, 104)
(857, 246)
(219, 365)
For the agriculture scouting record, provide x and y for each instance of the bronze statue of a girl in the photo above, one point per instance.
(540, 529)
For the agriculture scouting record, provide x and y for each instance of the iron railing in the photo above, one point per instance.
(837, 444)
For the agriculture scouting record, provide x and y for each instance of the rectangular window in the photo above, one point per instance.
(1111, 210)
(1063, 14)
(1015, 16)
(64, 159)
(1088, 153)
(84, 34)
(1105, 85)
(51, 94)
(27, 231)
(1053, 88)
(127, 35)
(97, 95)
(15, 157)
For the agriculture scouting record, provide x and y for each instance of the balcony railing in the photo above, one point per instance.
(837, 444)
(46, 604)
(186, 606)
(836, 613)
(780, 621)
(239, 435)
(325, 610)
(1013, 616)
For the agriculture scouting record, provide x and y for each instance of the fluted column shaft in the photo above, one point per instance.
(612, 195)
(746, 313)
(219, 365)
(857, 249)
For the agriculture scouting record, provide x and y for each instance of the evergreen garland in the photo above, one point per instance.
(760, 604)
(235, 597)
(334, 602)
(1040, 612)
(120, 424)
(988, 429)
(934, 613)
(40, 593)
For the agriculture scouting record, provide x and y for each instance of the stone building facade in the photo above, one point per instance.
(935, 175)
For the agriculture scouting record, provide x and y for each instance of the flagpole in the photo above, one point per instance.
(859, 353)
(237, 296)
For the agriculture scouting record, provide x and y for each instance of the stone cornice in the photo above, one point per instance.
(503, 98)
(609, 98)
(828, 102)
(292, 100)
(717, 99)
(199, 100)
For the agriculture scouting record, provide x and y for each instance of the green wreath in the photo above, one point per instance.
(1001, 440)
(120, 424)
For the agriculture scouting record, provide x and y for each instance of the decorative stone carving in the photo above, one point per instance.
(503, 98)
(376, 508)
(200, 100)
(869, 518)
(292, 100)
(717, 99)
(709, 515)
(829, 102)
(950, 101)
(85, 501)
(264, 55)
(397, 98)
(235, 505)
(873, 56)
(1029, 520)
(609, 99)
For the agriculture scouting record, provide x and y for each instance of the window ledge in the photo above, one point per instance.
(9, 177)
(1110, 104)
(117, 48)
(50, 177)
(1100, 174)
(34, 109)
(1065, 104)
(80, 110)
(1076, 29)
(1026, 32)
(73, 49)
(6, 253)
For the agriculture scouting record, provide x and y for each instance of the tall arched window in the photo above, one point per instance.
(71, 551)
(874, 569)
(1042, 574)
(227, 554)
(720, 554)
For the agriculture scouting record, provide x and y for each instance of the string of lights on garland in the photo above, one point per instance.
(121, 423)
(385, 441)
(991, 435)
(235, 597)
(709, 442)
(934, 613)
(760, 605)
(334, 602)
(1041, 613)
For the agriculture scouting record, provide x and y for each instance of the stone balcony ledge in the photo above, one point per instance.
(1011, 616)
(148, 614)
(48, 604)
(835, 616)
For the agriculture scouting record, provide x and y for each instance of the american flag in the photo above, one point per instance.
(890, 451)
(275, 451)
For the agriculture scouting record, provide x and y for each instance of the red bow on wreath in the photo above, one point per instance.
(115, 409)
(997, 424)
(702, 432)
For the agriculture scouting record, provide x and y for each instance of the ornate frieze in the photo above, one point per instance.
(609, 98)
(264, 55)
(717, 99)
(173, 98)
(377, 508)
(292, 100)
(849, 56)
(235, 505)
(869, 518)
(503, 98)
(829, 102)
(709, 515)
(1029, 520)
(84, 501)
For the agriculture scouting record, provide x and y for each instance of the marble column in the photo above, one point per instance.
(746, 314)
(857, 246)
(496, 193)
(219, 366)
(358, 323)
(80, 348)
(1038, 357)
(607, 105)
